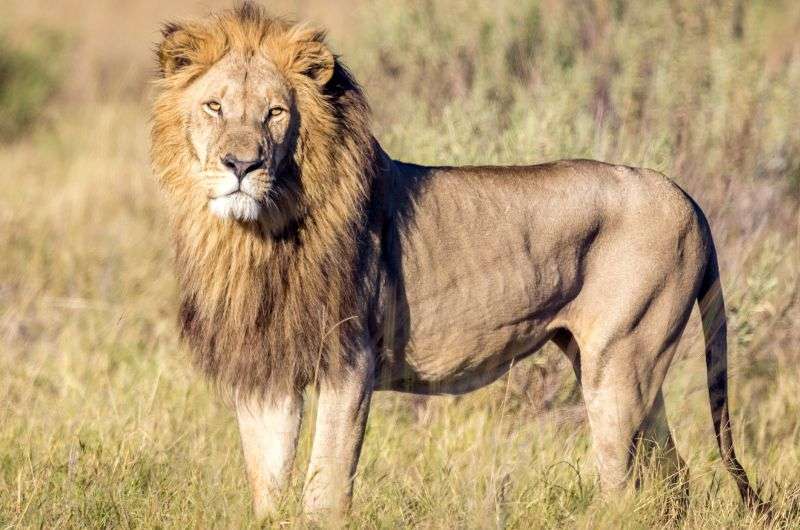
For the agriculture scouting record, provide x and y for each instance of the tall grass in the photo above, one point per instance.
(103, 423)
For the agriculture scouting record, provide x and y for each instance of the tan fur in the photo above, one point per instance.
(359, 273)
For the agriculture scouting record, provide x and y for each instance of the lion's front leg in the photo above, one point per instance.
(269, 430)
(341, 418)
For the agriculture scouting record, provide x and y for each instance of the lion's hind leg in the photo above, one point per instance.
(621, 386)
(658, 459)
(656, 446)
(618, 408)
(615, 408)
(652, 445)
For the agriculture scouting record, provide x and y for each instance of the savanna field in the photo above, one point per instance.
(104, 423)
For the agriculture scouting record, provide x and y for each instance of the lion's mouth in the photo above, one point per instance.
(230, 188)
(235, 193)
(232, 191)
(227, 189)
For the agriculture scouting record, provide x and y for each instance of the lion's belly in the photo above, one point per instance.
(466, 333)
(458, 360)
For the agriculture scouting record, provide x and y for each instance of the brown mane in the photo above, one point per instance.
(267, 312)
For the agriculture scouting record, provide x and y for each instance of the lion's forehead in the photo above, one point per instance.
(247, 80)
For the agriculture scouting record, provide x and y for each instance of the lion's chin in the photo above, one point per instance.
(238, 206)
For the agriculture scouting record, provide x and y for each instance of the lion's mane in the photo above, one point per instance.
(265, 311)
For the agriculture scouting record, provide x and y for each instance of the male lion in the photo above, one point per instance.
(308, 257)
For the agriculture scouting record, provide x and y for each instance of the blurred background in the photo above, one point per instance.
(103, 422)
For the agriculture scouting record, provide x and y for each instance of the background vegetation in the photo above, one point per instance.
(103, 423)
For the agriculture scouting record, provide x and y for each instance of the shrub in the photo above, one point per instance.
(29, 77)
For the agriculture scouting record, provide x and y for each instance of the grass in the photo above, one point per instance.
(103, 422)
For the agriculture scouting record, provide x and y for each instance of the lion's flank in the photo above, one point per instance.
(267, 311)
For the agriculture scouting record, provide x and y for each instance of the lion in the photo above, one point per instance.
(308, 258)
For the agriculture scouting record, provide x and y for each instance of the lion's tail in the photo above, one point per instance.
(712, 311)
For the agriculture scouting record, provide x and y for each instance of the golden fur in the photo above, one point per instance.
(290, 308)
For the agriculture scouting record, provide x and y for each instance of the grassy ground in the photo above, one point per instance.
(103, 423)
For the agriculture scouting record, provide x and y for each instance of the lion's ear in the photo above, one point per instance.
(313, 57)
(178, 47)
(319, 63)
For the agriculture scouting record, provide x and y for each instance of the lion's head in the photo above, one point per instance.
(243, 99)
(261, 141)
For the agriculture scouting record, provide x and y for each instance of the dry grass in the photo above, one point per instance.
(104, 424)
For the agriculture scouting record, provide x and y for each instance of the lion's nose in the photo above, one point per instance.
(241, 168)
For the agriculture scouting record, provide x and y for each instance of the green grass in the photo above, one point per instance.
(103, 422)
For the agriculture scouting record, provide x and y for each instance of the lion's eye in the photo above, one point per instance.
(276, 111)
(213, 107)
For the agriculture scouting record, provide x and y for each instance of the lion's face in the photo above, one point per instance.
(241, 123)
